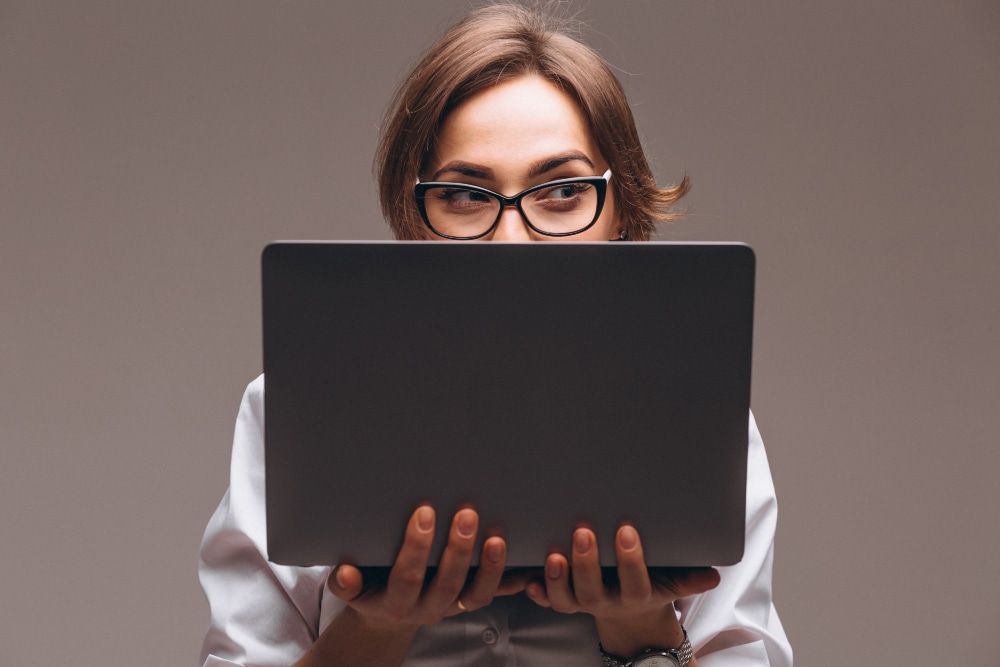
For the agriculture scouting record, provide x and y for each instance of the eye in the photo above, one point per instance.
(565, 191)
(564, 197)
(460, 196)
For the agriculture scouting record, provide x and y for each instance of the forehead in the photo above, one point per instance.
(514, 123)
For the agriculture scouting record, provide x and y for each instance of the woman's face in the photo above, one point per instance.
(515, 135)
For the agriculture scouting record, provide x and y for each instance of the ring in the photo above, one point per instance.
(460, 605)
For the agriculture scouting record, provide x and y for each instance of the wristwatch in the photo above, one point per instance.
(654, 657)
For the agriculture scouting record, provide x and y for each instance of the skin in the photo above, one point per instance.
(518, 134)
(507, 138)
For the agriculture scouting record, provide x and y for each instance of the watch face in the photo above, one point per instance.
(656, 660)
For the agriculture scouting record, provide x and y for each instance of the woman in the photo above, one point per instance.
(506, 130)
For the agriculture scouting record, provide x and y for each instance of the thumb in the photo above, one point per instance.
(686, 581)
(345, 582)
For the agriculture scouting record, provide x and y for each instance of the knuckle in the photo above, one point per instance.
(448, 589)
(589, 599)
(420, 541)
(634, 601)
(450, 581)
(474, 600)
(411, 577)
(461, 548)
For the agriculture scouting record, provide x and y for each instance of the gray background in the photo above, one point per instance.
(148, 151)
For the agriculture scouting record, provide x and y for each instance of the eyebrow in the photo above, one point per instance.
(462, 169)
(551, 163)
(536, 169)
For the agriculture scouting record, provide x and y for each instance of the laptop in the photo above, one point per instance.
(547, 385)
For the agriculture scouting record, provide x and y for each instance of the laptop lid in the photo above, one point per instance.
(546, 384)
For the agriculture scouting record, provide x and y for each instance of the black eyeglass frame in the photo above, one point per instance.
(600, 183)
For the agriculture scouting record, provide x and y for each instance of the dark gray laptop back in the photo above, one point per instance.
(547, 385)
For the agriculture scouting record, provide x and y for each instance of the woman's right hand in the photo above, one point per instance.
(407, 601)
(380, 621)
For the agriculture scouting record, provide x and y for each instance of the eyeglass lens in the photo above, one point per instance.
(464, 212)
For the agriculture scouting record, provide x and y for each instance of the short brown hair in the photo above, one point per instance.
(491, 45)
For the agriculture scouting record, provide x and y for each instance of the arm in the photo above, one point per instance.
(736, 623)
(266, 615)
(235, 574)
(728, 614)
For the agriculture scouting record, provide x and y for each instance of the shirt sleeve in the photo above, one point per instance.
(736, 624)
(262, 614)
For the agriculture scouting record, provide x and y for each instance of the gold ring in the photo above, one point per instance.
(460, 605)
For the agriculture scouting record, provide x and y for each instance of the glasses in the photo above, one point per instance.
(558, 208)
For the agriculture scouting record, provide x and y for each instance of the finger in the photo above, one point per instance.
(633, 577)
(515, 581)
(453, 568)
(537, 593)
(406, 579)
(558, 590)
(686, 581)
(588, 586)
(484, 586)
(345, 582)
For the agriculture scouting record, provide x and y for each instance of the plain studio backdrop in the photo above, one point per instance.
(148, 151)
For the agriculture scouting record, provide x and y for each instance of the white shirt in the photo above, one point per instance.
(264, 615)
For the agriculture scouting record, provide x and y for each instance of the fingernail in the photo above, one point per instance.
(466, 523)
(553, 568)
(581, 542)
(339, 578)
(628, 538)
(494, 552)
(425, 519)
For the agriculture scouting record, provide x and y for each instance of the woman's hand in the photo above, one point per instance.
(633, 614)
(378, 625)
(407, 600)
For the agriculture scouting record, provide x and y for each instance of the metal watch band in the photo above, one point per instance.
(682, 653)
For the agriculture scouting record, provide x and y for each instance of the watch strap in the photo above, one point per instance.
(682, 653)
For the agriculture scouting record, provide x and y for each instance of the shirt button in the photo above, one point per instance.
(490, 636)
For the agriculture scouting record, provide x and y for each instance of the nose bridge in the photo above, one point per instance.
(511, 227)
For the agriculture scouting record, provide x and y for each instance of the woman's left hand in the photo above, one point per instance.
(633, 614)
